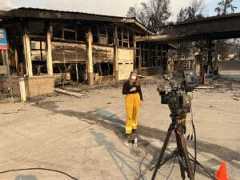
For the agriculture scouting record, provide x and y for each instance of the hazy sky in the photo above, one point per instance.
(111, 7)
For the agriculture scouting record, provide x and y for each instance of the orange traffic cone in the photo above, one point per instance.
(222, 173)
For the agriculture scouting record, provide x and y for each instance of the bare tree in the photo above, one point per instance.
(182, 15)
(224, 7)
(132, 12)
(194, 11)
(153, 14)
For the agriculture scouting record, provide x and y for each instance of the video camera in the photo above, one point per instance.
(175, 94)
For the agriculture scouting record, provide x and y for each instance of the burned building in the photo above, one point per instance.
(46, 46)
(153, 57)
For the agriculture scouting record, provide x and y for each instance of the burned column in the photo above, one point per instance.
(210, 58)
(90, 57)
(139, 64)
(135, 51)
(49, 52)
(115, 60)
(27, 54)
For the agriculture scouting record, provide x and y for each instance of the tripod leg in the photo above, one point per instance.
(182, 169)
(182, 146)
(210, 174)
(187, 159)
(180, 159)
(162, 152)
(171, 156)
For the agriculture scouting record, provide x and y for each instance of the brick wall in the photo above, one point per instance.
(10, 83)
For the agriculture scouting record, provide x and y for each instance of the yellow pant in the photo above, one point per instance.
(132, 103)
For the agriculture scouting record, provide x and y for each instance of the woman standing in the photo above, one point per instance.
(133, 98)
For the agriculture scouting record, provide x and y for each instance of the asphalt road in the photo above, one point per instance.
(83, 137)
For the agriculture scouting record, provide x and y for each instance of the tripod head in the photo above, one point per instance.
(177, 100)
(175, 92)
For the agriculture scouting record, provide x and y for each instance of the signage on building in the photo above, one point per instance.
(3, 39)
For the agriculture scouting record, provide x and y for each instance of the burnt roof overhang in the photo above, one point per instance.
(46, 14)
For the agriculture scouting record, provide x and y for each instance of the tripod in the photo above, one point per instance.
(181, 151)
